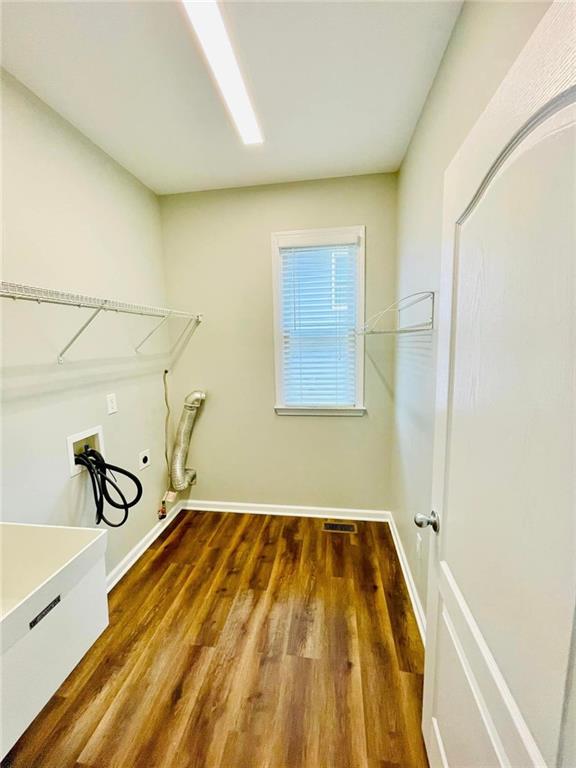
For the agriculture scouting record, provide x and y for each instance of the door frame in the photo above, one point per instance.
(540, 82)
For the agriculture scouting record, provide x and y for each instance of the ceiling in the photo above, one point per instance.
(337, 86)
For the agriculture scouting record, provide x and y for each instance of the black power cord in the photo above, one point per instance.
(98, 470)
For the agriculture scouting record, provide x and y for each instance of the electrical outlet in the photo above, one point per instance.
(418, 546)
(111, 403)
(144, 459)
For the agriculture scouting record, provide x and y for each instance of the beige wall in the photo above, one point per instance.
(74, 220)
(219, 262)
(486, 40)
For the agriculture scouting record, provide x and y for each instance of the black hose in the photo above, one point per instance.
(98, 469)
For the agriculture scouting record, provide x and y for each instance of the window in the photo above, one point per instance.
(319, 306)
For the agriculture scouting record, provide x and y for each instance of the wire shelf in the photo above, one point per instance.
(22, 292)
(370, 328)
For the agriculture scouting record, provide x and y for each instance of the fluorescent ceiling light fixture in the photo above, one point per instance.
(211, 32)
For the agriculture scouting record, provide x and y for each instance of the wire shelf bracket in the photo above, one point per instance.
(371, 328)
(21, 292)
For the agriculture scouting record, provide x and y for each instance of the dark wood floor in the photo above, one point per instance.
(246, 641)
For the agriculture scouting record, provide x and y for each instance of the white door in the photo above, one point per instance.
(503, 567)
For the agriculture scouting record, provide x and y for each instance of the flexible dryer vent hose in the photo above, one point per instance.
(180, 476)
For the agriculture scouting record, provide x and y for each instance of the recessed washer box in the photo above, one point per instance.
(93, 437)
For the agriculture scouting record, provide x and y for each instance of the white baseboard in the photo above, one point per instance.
(135, 553)
(203, 505)
(379, 515)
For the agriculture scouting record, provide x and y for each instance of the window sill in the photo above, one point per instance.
(318, 411)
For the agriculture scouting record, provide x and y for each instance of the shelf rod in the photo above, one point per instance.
(397, 331)
(191, 326)
(78, 333)
(17, 291)
(151, 333)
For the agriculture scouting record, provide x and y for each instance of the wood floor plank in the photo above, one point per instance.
(246, 641)
(406, 635)
(213, 715)
(217, 600)
(275, 630)
(380, 682)
(266, 555)
(288, 744)
(410, 698)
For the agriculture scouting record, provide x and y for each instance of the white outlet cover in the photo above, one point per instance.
(144, 459)
(111, 403)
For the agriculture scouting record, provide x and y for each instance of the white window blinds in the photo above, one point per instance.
(320, 295)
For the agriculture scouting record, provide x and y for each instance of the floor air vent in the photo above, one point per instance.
(339, 527)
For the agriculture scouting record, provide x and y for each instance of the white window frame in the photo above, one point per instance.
(307, 238)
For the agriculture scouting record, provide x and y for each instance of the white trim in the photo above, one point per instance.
(361, 318)
(242, 507)
(375, 515)
(97, 432)
(137, 551)
(417, 606)
(489, 686)
(436, 751)
(305, 238)
(286, 410)
(310, 237)
(475, 690)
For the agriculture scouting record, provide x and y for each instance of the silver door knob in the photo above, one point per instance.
(423, 521)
